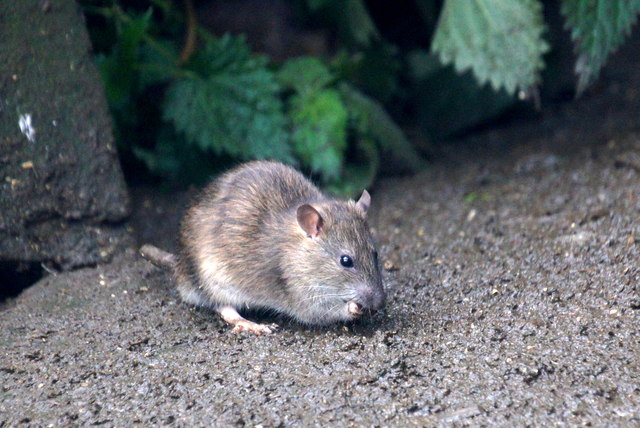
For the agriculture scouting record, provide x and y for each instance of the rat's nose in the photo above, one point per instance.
(370, 298)
(354, 308)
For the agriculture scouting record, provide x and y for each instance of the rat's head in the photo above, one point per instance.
(337, 277)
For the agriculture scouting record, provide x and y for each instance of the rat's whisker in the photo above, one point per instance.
(324, 296)
(321, 296)
(331, 309)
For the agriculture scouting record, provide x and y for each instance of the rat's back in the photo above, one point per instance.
(236, 206)
(263, 186)
(227, 236)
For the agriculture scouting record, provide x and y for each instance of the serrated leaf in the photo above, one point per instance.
(598, 27)
(500, 40)
(228, 54)
(235, 109)
(304, 75)
(319, 134)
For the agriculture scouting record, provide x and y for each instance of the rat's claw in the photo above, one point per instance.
(271, 327)
(252, 327)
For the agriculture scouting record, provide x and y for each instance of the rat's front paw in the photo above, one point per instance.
(252, 327)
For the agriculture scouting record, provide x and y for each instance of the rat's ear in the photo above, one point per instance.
(310, 220)
(364, 202)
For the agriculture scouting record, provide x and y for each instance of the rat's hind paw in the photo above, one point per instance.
(252, 327)
(230, 315)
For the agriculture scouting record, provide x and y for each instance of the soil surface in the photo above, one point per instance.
(512, 272)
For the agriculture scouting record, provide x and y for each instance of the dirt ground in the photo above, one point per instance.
(512, 269)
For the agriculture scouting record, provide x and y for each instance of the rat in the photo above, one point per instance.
(262, 236)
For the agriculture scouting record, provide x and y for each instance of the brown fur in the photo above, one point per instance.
(242, 246)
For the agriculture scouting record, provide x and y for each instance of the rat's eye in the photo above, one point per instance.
(346, 261)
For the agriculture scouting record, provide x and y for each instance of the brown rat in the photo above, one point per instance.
(263, 236)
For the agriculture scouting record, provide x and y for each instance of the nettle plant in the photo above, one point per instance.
(226, 103)
(502, 41)
(184, 109)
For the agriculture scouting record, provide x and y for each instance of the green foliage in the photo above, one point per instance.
(304, 75)
(598, 27)
(323, 116)
(117, 69)
(360, 172)
(231, 105)
(374, 124)
(228, 103)
(336, 117)
(174, 160)
(156, 64)
(350, 17)
(317, 114)
(319, 123)
(501, 41)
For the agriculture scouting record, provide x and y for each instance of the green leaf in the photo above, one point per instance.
(359, 172)
(500, 40)
(370, 119)
(233, 108)
(228, 54)
(118, 69)
(319, 134)
(304, 75)
(172, 159)
(598, 27)
(157, 66)
(317, 115)
(357, 22)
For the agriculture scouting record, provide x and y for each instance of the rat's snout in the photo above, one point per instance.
(367, 298)
(354, 308)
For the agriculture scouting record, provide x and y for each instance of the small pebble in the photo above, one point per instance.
(472, 214)
(389, 266)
